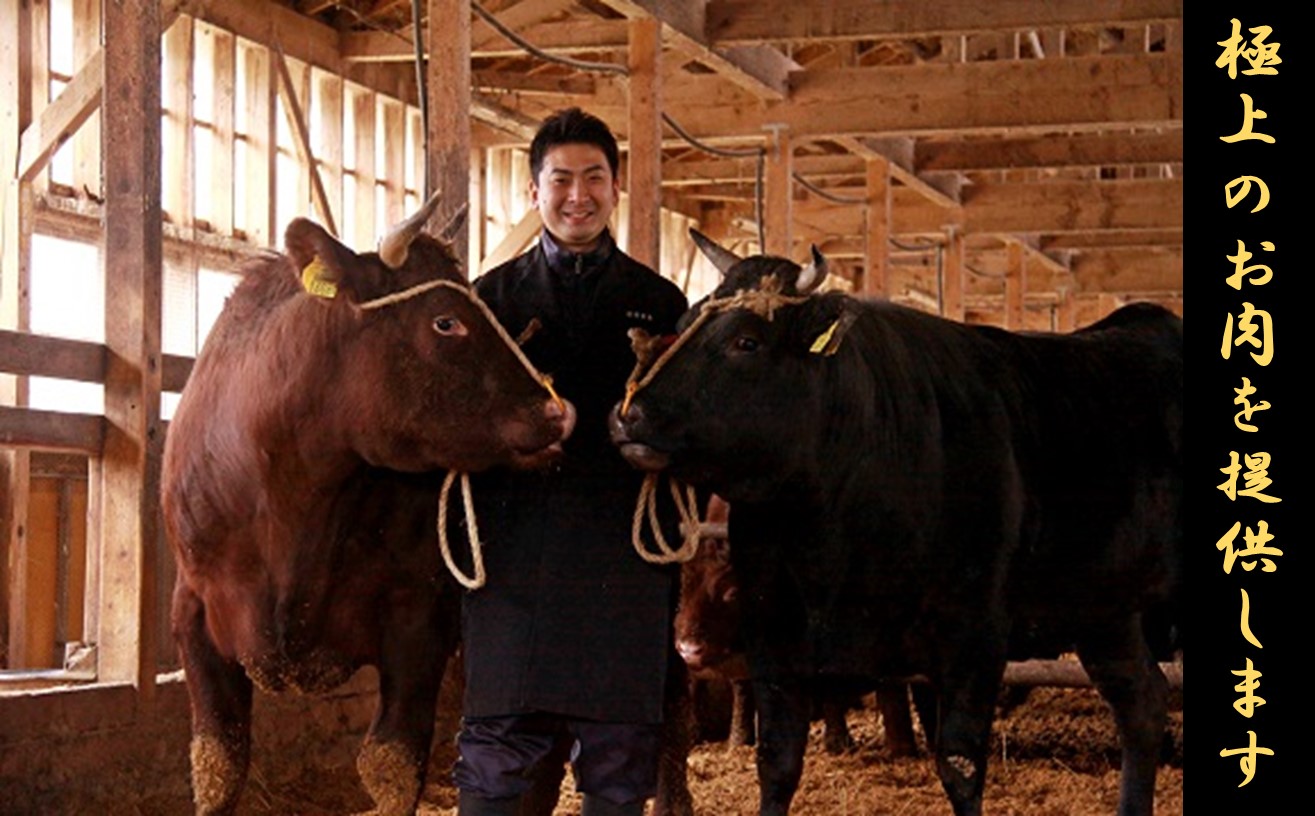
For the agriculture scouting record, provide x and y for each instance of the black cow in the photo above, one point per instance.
(909, 491)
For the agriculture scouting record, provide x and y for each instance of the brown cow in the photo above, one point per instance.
(707, 637)
(300, 493)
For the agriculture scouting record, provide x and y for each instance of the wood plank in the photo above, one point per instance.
(177, 137)
(260, 154)
(130, 457)
(86, 140)
(290, 91)
(51, 430)
(222, 149)
(39, 566)
(45, 356)
(746, 21)
(394, 123)
(364, 232)
(329, 91)
(644, 157)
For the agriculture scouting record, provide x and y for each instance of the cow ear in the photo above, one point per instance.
(322, 260)
(720, 257)
(829, 329)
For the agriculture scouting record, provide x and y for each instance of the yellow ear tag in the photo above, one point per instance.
(820, 345)
(314, 279)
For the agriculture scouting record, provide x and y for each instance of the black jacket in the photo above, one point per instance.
(571, 620)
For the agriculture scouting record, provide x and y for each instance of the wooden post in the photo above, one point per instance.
(1015, 287)
(448, 80)
(644, 160)
(779, 195)
(16, 102)
(952, 284)
(479, 186)
(876, 255)
(130, 463)
(1066, 314)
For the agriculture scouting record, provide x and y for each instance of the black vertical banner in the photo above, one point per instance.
(1247, 90)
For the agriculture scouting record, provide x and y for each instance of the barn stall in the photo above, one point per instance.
(1017, 165)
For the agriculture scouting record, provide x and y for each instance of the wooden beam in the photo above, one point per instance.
(130, 457)
(644, 157)
(448, 139)
(736, 21)
(1052, 151)
(515, 241)
(759, 69)
(1022, 97)
(61, 119)
(51, 430)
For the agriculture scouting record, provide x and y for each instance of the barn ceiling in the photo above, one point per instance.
(1052, 126)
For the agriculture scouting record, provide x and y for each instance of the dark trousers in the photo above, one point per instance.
(499, 757)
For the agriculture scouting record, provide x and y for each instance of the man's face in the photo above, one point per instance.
(575, 194)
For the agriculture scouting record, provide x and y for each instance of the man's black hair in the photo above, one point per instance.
(572, 126)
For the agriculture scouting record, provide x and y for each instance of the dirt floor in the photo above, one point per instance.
(1054, 755)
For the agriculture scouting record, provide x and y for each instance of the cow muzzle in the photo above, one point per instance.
(623, 430)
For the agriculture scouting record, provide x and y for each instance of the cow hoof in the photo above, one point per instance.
(217, 776)
(392, 777)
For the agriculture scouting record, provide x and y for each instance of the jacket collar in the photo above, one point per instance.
(567, 262)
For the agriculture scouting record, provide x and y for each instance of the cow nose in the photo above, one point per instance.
(690, 651)
(562, 412)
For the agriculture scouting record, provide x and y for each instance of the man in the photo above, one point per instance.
(566, 646)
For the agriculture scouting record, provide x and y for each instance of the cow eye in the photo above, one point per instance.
(746, 344)
(448, 325)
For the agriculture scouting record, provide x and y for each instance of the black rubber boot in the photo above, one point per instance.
(598, 806)
(468, 804)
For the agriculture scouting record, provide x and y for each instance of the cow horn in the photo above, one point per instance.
(721, 258)
(811, 276)
(394, 246)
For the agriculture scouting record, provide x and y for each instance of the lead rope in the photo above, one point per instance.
(686, 506)
(476, 546)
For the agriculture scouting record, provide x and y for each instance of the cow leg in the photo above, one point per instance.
(836, 738)
(896, 720)
(220, 693)
(1121, 666)
(394, 757)
(967, 706)
(742, 714)
(927, 703)
(783, 710)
